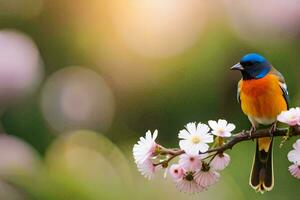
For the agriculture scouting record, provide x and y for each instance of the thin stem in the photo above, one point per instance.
(208, 156)
(214, 155)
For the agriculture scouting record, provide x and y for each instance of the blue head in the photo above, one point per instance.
(253, 66)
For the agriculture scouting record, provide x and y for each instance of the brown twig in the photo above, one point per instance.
(237, 138)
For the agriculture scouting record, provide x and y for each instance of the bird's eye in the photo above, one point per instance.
(248, 63)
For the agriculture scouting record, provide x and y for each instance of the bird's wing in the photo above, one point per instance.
(239, 91)
(282, 85)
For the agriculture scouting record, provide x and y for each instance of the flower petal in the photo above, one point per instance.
(184, 134)
(191, 127)
(222, 123)
(294, 156)
(226, 134)
(145, 147)
(155, 134)
(213, 124)
(230, 127)
(296, 145)
(202, 129)
(295, 171)
(184, 145)
(207, 138)
(220, 162)
(148, 135)
(203, 147)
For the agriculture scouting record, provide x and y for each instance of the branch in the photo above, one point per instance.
(237, 138)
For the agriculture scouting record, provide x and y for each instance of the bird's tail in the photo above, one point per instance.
(262, 177)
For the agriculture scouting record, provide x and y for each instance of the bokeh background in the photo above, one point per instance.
(81, 81)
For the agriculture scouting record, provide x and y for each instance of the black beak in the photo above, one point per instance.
(237, 66)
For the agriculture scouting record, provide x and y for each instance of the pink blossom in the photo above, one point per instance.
(145, 148)
(220, 162)
(188, 184)
(221, 128)
(176, 171)
(295, 170)
(294, 155)
(290, 117)
(195, 138)
(190, 162)
(147, 169)
(207, 176)
(21, 68)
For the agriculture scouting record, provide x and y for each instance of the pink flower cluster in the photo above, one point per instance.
(199, 165)
(290, 117)
(294, 157)
(194, 174)
(196, 170)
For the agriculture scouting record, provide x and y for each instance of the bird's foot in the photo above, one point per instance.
(252, 130)
(273, 129)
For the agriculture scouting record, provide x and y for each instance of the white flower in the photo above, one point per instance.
(295, 170)
(147, 169)
(207, 176)
(294, 155)
(145, 148)
(191, 162)
(177, 171)
(221, 128)
(220, 162)
(195, 138)
(188, 184)
(290, 117)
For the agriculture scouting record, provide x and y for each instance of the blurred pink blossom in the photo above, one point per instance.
(264, 19)
(20, 66)
(77, 98)
(16, 156)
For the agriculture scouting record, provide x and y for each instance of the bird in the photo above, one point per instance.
(262, 93)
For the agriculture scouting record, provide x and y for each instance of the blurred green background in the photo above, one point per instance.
(81, 81)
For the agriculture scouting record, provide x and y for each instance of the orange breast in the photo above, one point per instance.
(262, 98)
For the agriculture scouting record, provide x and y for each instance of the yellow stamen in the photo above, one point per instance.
(196, 140)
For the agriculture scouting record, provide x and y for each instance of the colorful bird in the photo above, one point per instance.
(263, 94)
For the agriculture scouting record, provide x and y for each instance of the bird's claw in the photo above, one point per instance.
(252, 130)
(273, 129)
